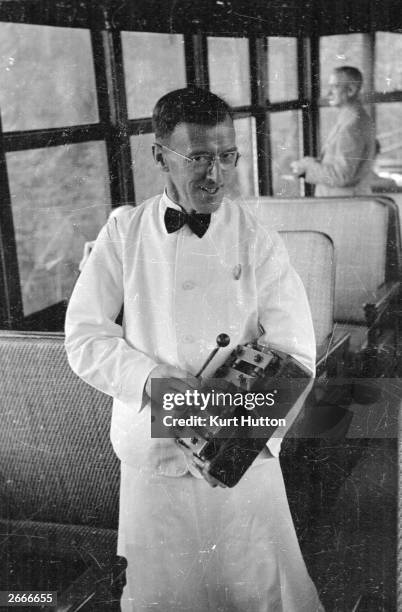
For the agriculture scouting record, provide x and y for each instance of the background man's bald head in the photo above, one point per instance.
(351, 74)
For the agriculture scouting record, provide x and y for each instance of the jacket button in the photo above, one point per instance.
(188, 339)
(189, 284)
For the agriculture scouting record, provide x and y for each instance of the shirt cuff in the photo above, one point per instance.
(132, 391)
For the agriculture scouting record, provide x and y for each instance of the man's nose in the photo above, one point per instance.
(215, 170)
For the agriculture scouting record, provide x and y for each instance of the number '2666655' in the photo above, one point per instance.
(32, 598)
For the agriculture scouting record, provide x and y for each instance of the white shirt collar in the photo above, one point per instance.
(168, 202)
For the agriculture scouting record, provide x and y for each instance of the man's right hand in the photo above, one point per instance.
(176, 379)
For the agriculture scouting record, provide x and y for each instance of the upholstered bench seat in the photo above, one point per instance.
(59, 477)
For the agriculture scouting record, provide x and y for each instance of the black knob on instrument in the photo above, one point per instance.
(222, 340)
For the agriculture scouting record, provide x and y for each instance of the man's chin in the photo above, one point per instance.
(208, 203)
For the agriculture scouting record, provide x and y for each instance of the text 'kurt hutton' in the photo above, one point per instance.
(217, 421)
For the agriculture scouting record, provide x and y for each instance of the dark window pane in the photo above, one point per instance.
(229, 71)
(60, 199)
(388, 65)
(148, 179)
(286, 147)
(153, 65)
(46, 77)
(282, 69)
(342, 50)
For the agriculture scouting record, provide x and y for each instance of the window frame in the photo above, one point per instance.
(115, 128)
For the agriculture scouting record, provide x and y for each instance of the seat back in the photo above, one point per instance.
(312, 256)
(56, 460)
(358, 228)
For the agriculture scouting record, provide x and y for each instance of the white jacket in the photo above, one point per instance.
(179, 292)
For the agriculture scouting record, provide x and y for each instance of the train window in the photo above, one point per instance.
(286, 146)
(148, 179)
(389, 134)
(60, 200)
(47, 77)
(282, 69)
(344, 49)
(153, 65)
(246, 180)
(229, 69)
(388, 67)
(61, 150)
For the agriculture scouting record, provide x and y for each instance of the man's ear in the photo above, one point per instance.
(159, 158)
(352, 90)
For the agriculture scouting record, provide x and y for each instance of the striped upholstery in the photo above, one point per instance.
(358, 228)
(312, 256)
(56, 461)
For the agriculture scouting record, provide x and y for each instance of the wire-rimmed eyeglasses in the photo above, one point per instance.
(206, 161)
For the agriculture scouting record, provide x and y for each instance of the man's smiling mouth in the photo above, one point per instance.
(210, 190)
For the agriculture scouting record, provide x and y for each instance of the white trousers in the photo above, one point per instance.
(194, 548)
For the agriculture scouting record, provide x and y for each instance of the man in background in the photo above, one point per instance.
(344, 167)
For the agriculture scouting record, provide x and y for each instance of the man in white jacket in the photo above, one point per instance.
(345, 165)
(186, 266)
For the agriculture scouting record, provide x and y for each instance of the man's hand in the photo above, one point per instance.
(298, 167)
(203, 470)
(176, 380)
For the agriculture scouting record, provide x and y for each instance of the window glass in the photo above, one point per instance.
(246, 177)
(229, 70)
(148, 178)
(282, 69)
(389, 135)
(285, 148)
(60, 199)
(388, 65)
(46, 77)
(343, 50)
(153, 65)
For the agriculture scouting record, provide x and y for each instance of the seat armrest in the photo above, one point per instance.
(332, 350)
(385, 294)
(324, 412)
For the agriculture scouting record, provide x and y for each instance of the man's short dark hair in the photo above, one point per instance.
(352, 74)
(188, 105)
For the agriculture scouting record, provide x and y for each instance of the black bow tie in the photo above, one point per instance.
(175, 219)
